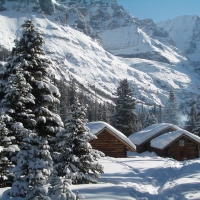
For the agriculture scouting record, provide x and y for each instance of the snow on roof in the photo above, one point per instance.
(97, 126)
(150, 131)
(163, 140)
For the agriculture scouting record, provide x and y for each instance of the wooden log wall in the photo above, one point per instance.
(172, 150)
(192, 148)
(109, 145)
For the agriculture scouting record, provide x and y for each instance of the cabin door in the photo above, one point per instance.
(181, 153)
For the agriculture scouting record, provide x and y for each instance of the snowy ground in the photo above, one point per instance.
(143, 177)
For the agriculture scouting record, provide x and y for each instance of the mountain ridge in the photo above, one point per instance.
(129, 36)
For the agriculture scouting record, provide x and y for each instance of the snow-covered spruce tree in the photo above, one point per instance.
(6, 150)
(64, 104)
(77, 160)
(34, 166)
(41, 96)
(17, 103)
(171, 110)
(72, 91)
(105, 117)
(60, 189)
(150, 119)
(100, 112)
(124, 118)
(196, 129)
(192, 118)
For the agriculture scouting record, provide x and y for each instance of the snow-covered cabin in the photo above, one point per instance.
(179, 145)
(142, 138)
(109, 140)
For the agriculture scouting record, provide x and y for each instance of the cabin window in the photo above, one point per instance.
(181, 142)
(181, 153)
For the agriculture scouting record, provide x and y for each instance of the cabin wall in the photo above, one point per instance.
(109, 145)
(190, 150)
(144, 147)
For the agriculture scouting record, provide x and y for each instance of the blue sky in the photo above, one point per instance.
(160, 10)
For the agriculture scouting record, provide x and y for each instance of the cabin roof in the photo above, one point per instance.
(149, 132)
(98, 126)
(165, 139)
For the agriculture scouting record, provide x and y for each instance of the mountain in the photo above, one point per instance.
(83, 54)
(120, 33)
(185, 31)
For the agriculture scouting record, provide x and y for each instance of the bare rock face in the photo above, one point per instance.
(25, 6)
(83, 11)
(47, 6)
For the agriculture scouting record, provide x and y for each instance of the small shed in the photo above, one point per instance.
(109, 140)
(179, 145)
(142, 138)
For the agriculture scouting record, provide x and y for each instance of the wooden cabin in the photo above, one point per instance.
(179, 145)
(109, 140)
(142, 138)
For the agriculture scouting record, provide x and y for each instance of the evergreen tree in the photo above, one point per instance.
(6, 150)
(64, 103)
(171, 110)
(91, 112)
(160, 114)
(124, 117)
(138, 126)
(82, 166)
(105, 117)
(196, 129)
(28, 94)
(17, 99)
(4, 53)
(100, 112)
(142, 116)
(59, 189)
(192, 118)
(150, 119)
(72, 91)
(34, 166)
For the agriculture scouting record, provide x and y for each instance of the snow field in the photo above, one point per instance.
(141, 177)
(145, 177)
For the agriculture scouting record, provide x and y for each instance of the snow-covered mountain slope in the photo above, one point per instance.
(76, 54)
(163, 76)
(185, 31)
(120, 33)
